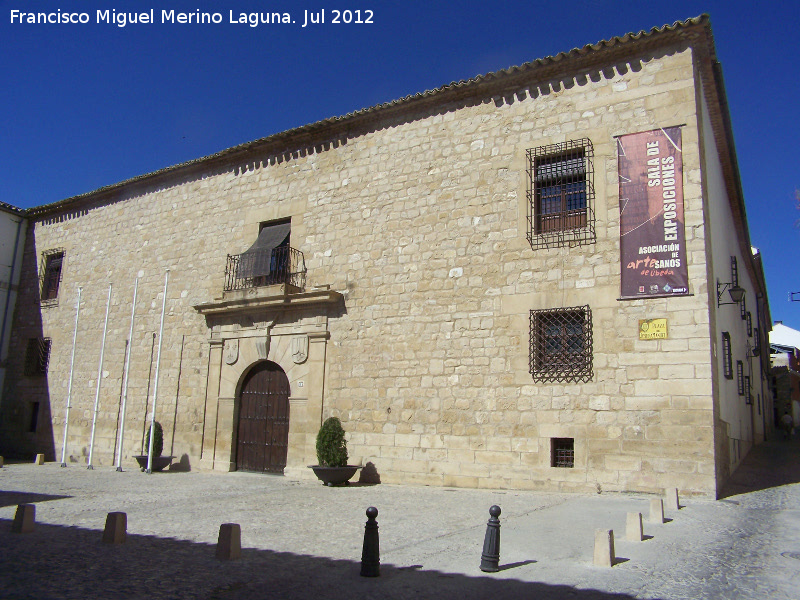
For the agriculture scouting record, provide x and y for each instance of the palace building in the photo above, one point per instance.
(539, 278)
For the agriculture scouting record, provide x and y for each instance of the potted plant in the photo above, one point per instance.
(332, 454)
(159, 462)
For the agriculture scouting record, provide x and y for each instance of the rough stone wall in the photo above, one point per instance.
(441, 279)
(421, 225)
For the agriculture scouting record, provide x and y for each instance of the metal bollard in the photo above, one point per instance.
(370, 553)
(490, 558)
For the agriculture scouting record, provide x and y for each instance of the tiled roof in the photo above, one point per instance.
(11, 209)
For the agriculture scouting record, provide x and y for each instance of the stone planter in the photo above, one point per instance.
(159, 462)
(332, 476)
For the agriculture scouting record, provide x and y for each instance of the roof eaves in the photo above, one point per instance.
(508, 78)
(12, 209)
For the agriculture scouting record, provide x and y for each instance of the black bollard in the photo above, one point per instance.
(490, 558)
(370, 553)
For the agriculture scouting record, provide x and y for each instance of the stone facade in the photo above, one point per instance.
(412, 218)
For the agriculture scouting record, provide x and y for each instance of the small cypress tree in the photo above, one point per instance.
(331, 445)
(158, 440)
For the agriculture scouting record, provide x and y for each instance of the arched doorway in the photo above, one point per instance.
(263, 439)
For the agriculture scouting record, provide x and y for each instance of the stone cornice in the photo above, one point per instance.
(270, 302)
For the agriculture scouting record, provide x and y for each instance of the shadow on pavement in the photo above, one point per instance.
(10, 498)
(767, 465)
(70, 562)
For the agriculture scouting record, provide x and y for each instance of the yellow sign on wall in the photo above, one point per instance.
(652, 329)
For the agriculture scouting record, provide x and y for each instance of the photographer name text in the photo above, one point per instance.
(173, 17)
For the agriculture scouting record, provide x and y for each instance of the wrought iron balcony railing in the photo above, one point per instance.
(265, 267)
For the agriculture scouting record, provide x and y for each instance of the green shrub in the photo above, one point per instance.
(158, 440)
(331, 445)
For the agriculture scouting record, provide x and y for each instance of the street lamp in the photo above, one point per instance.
(734, 291)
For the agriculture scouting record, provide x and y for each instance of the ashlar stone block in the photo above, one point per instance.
(633, 527)
(229, 542)
(115, 531)
(604, 548)
(24, 518)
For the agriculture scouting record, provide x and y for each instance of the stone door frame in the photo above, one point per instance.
(290, 330)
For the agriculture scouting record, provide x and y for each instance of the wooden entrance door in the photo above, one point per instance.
(263, 440)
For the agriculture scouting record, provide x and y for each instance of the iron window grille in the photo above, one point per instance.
(37, 356)
(50, 276)
(561, 345)
(757, 347)
(743, 308)
(749, 325)
(561, 194)
(727, 360)
(747, 398)
(740, 377)
(562, 452)
(734, 272)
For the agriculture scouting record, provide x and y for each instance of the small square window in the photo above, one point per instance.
(37, 356)
(561, 194)
(561, 345)
(50, 276)
(562, 452)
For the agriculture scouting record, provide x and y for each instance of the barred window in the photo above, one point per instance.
(561, 345)
(50, 276)
(727, 361)
(561, 194)
(562, 452)
(740, 377)
(743, 308)
(37, 356)
(747, 397)
(749, 320)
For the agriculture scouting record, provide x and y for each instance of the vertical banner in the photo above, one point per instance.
(651, 218)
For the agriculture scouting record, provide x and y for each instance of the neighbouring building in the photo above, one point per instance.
(538, 278)
(12, 239)
(784, 349)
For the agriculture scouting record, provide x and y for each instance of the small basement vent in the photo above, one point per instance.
(562, 452)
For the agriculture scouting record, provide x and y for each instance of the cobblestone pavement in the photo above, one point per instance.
(303, 540)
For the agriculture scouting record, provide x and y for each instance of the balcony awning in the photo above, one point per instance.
(256, 261)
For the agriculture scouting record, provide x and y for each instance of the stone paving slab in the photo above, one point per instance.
(303, 540)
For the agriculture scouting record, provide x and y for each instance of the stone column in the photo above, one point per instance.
(317, 347)
(212, 401)
(225, 456)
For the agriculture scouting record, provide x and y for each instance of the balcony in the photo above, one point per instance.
(260, 268)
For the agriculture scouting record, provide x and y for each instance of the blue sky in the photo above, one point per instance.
(89, 105)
